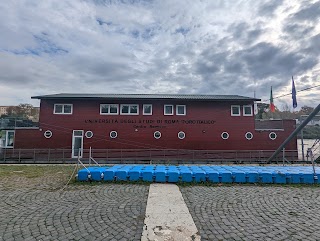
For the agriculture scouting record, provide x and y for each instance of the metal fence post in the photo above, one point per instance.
(34, 155)
(49, 155)
(19, 155)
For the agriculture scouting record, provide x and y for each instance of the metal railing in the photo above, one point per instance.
(105, 156)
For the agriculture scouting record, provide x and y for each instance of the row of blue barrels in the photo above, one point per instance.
(214, 174)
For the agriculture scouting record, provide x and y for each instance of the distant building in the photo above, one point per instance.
(3, 110)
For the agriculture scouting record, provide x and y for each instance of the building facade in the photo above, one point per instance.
(143, 121)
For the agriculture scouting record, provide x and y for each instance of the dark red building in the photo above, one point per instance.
(128, 122)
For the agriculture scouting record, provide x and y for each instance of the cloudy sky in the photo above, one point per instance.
(164, 46)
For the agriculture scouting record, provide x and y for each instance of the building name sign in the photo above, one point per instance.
(150, 122)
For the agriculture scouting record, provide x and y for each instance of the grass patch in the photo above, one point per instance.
(34, 171)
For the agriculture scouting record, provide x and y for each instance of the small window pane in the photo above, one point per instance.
(113, 109)
(147, 109)
(58, 108)
(125, 109)
(105, 109)
(10, 139)
(77, 133)
(168, 110)
(133, 109)
(181, 109)
(67, 109)
(235, 110)
(247, 110)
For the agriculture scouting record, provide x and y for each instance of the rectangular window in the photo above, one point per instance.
(181, 110)
(109, 109)
(247, 110)
(129, 110)
(63, 109)
(147, 109)
(235, 110)
(9, 139)
(168, 109)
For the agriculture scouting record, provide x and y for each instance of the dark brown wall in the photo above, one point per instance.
(134, 131)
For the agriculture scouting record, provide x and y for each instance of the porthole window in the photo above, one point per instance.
(89, 134)
(47, 134)
(181, 135)
(157, 134)
(224, 135)
(249, 135)
(273, 136)
(113, 134)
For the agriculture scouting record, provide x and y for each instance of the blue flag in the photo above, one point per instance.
(294, 95)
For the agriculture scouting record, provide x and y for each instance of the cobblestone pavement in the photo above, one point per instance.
(81, 212)
(254, 212)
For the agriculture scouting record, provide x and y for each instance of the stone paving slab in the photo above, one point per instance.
(167, 216)
(99, 212)
(254, 212)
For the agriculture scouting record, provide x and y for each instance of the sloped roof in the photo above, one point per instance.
(147, 96)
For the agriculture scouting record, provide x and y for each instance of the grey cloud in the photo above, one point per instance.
(297, 30)
(270, 7)
(313, 47)
(265, 60)
(311, 12)
(244, 33)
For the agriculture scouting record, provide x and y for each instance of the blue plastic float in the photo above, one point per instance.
(202, 173)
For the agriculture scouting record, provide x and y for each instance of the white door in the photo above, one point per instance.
(77, 143)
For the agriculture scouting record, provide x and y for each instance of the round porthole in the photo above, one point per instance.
(47, 134)
(249, 135)
(273, 136)
(224, 135)
(89, 134)
(181, 135)
(113, 134)
(157, 134)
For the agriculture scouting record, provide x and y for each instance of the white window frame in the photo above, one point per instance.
(238, 106)
(62, 113)
(73, 138)
(243, 111)
(247, 136)
(87, 134)
(274, 137)
(47, 136)
(184, 135)
(113, 137)
(6, 140)
(154, 135)
(129, 105)
(109, 109)
(143, 109)
(225, 133)
(184, 109)
(164, 110)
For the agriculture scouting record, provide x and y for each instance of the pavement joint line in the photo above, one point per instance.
(167, 215)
